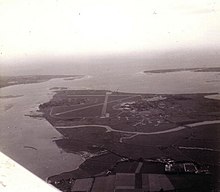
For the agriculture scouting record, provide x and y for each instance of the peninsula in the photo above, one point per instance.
(27, 79)
(104, 126)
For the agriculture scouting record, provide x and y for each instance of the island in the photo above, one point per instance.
(206, 69)
(106, 127)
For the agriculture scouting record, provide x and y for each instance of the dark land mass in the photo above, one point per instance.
(210, 69)
(27, 79)
(58, 88)
(134, 126)
(10, 96)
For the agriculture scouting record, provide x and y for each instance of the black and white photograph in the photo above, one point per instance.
(109, 95)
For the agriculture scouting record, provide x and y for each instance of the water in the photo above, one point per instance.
(19, 131)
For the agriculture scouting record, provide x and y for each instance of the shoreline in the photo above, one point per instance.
(7, 81)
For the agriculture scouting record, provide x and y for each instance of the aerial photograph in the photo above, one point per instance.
(110, 95)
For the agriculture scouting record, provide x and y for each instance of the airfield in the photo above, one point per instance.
(104, 126)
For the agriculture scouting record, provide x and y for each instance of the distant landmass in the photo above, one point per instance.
(27, 79)
(210, 69)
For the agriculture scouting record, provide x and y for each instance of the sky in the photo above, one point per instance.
(48, 28)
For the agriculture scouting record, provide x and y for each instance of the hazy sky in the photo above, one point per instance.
(47, 28)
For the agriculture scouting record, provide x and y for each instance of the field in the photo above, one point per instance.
(129, 112)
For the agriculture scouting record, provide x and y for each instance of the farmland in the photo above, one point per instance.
(104, 126)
